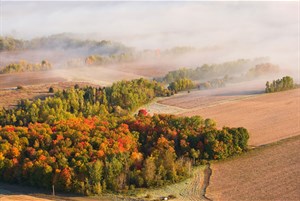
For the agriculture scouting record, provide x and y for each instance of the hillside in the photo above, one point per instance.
(269, 173)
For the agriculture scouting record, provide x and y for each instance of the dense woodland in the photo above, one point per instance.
(24, 66)
(84, 140)
(110, 153)
(282, 84)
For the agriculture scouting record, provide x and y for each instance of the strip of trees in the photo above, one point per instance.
(211, 71)
(24, 66)
(121, 98)
(63, 41)
(285, 83)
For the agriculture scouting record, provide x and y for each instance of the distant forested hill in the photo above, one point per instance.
(63, 41)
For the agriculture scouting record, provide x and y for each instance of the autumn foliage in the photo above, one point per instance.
(84, 140)
(92, 155)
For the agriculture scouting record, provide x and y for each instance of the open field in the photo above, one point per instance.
(98, 75)
(267, 173)
(28, 78)
(268, 117)
(205, 98)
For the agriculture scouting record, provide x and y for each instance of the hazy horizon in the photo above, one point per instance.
(229, 30)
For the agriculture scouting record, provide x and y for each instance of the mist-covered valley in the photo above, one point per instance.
(154, 39)
(149, 100)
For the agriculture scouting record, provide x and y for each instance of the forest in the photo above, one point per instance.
(86, 140)
(110, 153)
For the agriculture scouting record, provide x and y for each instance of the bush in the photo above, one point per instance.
(20, 87)
(181, 85)
(171, 197)
(51, 90)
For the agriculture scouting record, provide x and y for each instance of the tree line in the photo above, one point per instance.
(262, 70)
(181, 85)
(63, 41)
(211, 71)
(24, 66)
(121, 98)
(285, 83)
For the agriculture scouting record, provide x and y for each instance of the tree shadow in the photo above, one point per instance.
(241, 93)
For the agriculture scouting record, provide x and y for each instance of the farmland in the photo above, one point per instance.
(223, 105)
(245, 106)
(149, 101)
(99, 75)
(268, 173)
(269, 118)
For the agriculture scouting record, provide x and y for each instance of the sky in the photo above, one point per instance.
(238, 28)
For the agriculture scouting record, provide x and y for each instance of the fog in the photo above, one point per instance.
(222, 31)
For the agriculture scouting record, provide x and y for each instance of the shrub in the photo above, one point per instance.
(51, 90)
(20, 87)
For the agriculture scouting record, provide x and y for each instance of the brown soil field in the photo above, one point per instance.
(205, 98)
(268, 117)
(20, 197)
(267, 173)
(97, 75)
(28, 78)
